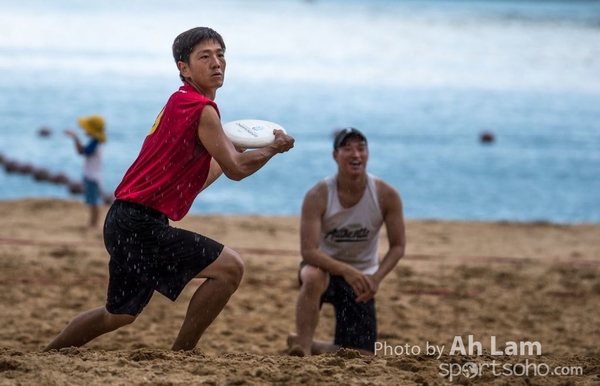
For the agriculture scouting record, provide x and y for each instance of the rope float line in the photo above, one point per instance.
(41, 174)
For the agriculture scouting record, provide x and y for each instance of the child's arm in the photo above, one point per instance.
(78, 145)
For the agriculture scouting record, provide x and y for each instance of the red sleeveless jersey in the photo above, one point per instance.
(173, 164)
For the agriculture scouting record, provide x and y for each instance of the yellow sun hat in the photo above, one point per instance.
(94, 126)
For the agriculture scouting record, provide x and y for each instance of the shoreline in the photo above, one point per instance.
(541, 222)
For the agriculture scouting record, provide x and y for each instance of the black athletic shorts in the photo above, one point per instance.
(147, 255)
(355, 323)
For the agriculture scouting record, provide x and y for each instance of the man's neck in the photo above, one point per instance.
(352, 184)
(211, 94)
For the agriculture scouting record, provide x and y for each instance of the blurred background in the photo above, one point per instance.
(474, 110)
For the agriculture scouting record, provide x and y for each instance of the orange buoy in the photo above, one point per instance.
(44, 132)
(11, 166)
(108, 198)
(41, 175)
(75, 187)
(59, 178)
(487, 137)
(24, 168)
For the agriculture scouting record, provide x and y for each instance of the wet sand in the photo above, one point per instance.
(535, 285)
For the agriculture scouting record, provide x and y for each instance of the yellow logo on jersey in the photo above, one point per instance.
(156, 121)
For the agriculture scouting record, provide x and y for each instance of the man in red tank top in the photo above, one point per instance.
(185, 151)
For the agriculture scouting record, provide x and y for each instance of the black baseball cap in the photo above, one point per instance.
(345, 133)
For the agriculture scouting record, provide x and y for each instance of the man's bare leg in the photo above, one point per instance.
(314, 284)
(87, 326)
(223, 278)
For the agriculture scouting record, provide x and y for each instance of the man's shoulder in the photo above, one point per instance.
(320, 186)
(386, 192)
(380, 182)
(188, 93)
(190, 100)
(317, 192)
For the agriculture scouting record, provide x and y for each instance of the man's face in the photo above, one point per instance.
(206, 67)
(352, 156)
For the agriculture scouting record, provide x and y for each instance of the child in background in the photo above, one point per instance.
(93, 126)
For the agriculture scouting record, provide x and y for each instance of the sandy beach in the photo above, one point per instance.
(527, 294)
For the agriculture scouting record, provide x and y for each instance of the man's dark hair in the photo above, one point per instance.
(186, 41)
(348, 132)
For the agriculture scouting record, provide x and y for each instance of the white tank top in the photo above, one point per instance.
(351, 234)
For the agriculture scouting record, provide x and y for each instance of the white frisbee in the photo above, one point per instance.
(251, 133)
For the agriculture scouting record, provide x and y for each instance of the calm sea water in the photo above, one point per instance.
(422, 79)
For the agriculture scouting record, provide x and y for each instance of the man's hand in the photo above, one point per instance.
(366, 296)
(364, 286)
(282, 141)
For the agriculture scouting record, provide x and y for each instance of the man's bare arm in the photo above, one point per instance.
(236, 165)
(391, 204)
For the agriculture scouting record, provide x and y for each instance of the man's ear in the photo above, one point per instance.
(183, 68)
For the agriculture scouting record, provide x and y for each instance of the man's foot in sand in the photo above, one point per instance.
(294, 348)
(318, 346)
